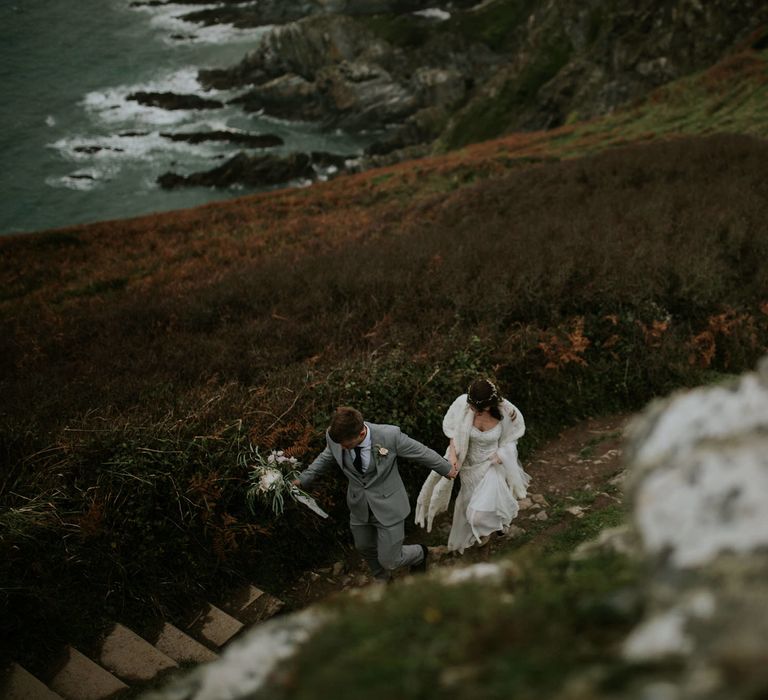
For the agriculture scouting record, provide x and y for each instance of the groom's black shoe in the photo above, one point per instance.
(421, 567)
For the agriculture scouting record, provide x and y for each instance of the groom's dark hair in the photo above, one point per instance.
(346, 423)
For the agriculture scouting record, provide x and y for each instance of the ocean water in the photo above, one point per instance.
(75, 150)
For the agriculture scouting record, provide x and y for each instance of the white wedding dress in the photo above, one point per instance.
(485, 503)
(487, 500)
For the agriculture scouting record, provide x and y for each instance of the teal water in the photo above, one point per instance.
(66, 69)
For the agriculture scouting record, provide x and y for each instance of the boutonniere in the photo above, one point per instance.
(381, 450)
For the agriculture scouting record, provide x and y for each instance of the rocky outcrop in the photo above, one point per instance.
(242, 169)
(333, 70)
(170, 100)
(264, 171)
(301, 48)
(419, 84)
(697, 479)
(246, 139)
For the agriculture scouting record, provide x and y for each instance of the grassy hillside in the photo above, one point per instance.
(140, 358)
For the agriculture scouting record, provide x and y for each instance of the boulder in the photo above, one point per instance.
(252, 140)
(698, 475)
(170, 100)
(242, 169)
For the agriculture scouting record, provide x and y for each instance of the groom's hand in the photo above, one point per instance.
(454, 472)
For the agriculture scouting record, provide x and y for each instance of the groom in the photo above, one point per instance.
(378, 503)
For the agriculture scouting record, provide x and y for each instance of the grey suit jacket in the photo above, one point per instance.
(381, 488)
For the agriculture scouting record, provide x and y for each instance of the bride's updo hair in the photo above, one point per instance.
(482, 394)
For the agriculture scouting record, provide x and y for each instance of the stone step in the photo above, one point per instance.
(19, 684)
(181, 647)
(131, 658)
(82, 679)
(251, 605)
(214, 627)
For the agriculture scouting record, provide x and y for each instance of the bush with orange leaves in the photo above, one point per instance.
(561, 348)
(730, 333)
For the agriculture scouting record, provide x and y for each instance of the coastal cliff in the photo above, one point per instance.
(438, 78)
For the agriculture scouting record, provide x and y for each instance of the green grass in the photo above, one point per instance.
(718, 100)
(470, 640)
(491, 116)
(589, 449)
(548, 618)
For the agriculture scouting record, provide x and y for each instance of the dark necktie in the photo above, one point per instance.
(357, 462)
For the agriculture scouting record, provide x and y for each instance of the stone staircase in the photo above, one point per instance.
(125, 660)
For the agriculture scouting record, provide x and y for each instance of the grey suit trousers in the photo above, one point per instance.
(382, 546)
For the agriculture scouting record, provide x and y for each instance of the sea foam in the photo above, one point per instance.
(168, 20)
(112, 106)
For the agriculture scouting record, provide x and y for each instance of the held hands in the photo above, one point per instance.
(454, 460)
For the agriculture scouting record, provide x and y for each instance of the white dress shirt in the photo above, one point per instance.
(365, 452)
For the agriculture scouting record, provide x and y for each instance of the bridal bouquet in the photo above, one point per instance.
(270, 480)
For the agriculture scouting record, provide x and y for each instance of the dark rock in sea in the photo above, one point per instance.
(252, 140)
(130, 134)
(253, 171)
(260, 15)
(170, 100)
(268, 12)
(96, 149)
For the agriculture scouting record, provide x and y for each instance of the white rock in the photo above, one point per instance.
(703, 414)
(483, 571)
(664, 634)
(708, 502)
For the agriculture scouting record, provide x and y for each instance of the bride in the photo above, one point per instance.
(483, 429)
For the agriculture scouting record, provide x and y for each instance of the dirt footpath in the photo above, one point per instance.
(582, 464)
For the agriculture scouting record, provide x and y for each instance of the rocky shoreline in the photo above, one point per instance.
(439, 77)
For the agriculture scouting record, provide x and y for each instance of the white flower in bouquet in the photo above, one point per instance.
(271, 480)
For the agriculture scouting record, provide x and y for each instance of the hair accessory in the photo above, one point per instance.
(493, 398)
